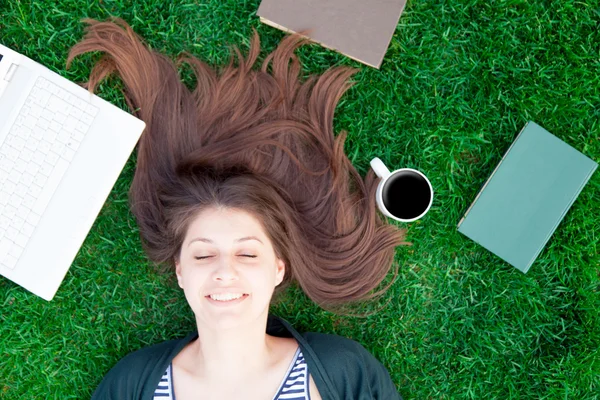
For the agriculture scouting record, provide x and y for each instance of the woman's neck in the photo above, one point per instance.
(219, 355)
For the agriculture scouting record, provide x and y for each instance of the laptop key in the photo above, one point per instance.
(10, 261)
(56, 127)
(5, 245)
(38, 133)
(9, 211)
(12, 154)
(43, 98)
(15, 200)
(60, 118)
(42, 123)
(20, 165)
(70, 124)
(21, 240)
(22, 212)
(27, 229)
(11, 232)
(32, 168)
(4, 222)
(18, 143)
(35, 111)
(28, 201)
(17, 223)
(50, 135)
(26, 155)
(31, 144)
(46, 169)
(34, 190)
(15, 177)
(57, 147)
(52, 157)
(44, 146)
(68, 153)
(77, 135)
(21, 189)
(40, 180)
(24, 133)
(82, 127)
(4, 198)
(47, 115)
(9, 186)
(87, 119)
(15, 251)
(27, 179)
(57, 105)
(63, 136)
(6, 164)
(30, 122)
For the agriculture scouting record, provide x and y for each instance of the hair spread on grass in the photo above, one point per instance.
(258, 140)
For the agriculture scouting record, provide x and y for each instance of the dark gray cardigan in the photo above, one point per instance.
(341, 368)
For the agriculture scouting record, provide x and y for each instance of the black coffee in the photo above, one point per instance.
(406, 195)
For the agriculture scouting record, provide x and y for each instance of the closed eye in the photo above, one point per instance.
(241, 255)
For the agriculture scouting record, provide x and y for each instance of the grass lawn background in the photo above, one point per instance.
(458, 82)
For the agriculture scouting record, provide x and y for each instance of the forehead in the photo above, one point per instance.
(225, 223)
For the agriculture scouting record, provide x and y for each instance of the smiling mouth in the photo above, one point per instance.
(225, 297)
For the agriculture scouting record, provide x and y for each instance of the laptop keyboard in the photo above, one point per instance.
(33, 159)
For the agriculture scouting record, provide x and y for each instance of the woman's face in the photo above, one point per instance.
(228, 269)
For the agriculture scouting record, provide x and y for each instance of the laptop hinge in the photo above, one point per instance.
(10, 72)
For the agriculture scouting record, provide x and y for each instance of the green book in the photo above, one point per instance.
(527, 196)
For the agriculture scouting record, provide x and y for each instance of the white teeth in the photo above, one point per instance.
(226, 296)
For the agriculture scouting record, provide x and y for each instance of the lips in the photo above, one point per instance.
(226, 303)
(225, 296)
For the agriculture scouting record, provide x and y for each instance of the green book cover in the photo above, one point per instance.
(527, 196)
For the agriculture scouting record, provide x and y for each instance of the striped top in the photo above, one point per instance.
(164, 390)
(294, 385)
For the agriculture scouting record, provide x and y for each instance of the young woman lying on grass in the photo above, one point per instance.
(240, 188)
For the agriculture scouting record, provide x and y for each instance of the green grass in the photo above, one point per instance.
(458, 82)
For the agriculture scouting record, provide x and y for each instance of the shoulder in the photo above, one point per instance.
(337, 350)
(139, 372)
(352, 369)
(153, 354)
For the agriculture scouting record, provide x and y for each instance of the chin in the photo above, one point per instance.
(230, 319)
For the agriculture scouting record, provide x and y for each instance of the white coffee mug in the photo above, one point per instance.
(404, 195)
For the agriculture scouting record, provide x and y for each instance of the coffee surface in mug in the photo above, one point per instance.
(406, 194)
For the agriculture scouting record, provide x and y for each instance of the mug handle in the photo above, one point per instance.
(380, 168)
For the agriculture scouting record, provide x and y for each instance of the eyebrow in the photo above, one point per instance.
(205, 240)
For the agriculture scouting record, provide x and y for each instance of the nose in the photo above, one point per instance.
(225, 271)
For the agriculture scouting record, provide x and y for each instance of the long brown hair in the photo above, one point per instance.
(257, 140)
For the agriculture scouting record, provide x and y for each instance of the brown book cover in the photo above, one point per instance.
(359, 29)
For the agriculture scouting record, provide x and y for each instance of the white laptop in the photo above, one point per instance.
(61, 151)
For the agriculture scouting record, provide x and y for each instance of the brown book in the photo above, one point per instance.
(360, 29)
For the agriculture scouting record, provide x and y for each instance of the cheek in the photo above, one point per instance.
(263, 278)
(193, 278)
